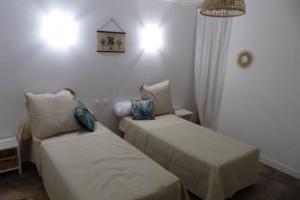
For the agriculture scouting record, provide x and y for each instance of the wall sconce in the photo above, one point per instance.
(151, 38)
(59, 29)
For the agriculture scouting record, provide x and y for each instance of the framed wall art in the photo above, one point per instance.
(108, 41)
(111, 41)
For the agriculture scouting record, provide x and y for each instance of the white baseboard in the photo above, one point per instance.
(280, 166)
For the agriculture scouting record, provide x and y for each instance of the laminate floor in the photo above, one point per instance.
(271, 185)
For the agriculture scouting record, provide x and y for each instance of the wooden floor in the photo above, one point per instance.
(271, 185)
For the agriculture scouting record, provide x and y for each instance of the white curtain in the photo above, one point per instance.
(212, 43)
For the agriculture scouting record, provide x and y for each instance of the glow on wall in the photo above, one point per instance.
(59, 29)
(151, 38)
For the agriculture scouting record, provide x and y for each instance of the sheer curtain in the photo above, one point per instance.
(212, 43)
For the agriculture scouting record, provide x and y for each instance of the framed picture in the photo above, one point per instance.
(111, 42)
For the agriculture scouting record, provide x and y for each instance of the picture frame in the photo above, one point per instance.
(111, 42)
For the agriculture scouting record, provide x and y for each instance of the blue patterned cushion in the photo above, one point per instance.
(142, 109)
(84, 117)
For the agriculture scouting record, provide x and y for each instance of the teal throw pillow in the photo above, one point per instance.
(143, 109)
(84, 117)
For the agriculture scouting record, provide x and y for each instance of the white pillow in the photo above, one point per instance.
(123, 109)
(160, 93)
(51, 114)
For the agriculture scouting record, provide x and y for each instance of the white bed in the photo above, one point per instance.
(211, 165)
(101, 166)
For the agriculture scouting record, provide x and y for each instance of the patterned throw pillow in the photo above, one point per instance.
(84, 117)
(142, 109)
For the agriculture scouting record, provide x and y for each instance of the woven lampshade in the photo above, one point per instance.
(223, 8)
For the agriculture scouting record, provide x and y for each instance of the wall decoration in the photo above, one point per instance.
(111, 41)
(245, 59)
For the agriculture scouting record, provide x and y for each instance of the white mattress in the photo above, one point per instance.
(211, 165)
(101, 166)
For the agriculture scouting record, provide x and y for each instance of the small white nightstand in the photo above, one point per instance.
(10, 157)
(185, 114)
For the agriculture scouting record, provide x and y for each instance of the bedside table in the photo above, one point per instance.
(10, 157)
(185, 114)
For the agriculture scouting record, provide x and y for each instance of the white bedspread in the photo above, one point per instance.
(210, 165)
(102, 166)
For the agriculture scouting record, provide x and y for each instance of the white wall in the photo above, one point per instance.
(26, 62)
(261, 105)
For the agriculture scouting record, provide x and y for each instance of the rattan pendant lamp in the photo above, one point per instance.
(223, 8)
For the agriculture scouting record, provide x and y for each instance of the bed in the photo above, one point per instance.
(210, 165)
(100, 165)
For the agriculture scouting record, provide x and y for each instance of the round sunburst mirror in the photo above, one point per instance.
(245, 59)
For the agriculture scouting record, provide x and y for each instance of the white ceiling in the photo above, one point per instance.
(187, 2)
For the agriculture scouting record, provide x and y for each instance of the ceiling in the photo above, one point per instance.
(187, 2)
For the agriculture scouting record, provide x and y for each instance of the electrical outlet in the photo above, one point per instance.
(97, 102)
(106, 101)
